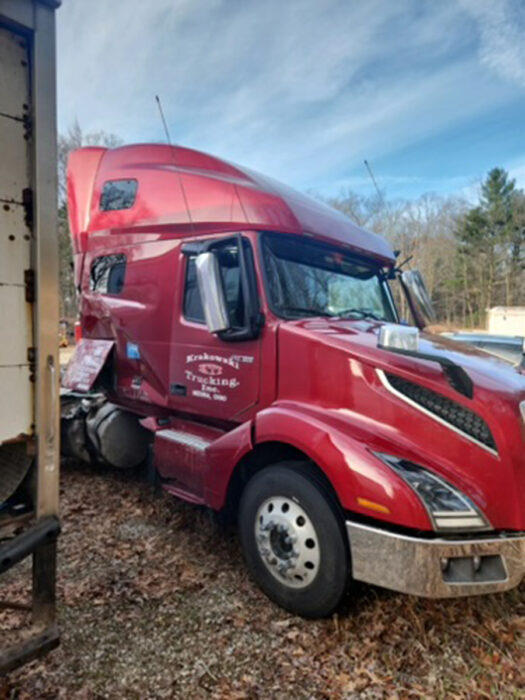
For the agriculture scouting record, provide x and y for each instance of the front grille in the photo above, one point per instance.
(453, 413)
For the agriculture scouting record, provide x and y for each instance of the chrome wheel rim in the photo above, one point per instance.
(287, 542)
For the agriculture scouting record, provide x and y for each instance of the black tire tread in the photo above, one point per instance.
(323, 596)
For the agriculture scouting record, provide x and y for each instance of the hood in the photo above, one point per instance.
(359, 338)
(335, 364)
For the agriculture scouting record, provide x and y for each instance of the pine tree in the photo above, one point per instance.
(491, 239)
(497, 197)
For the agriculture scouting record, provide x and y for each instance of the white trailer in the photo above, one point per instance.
(29, 449)
(507, 320)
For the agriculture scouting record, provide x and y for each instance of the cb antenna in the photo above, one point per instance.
(379, 193)
(164, 123)
(168, 139)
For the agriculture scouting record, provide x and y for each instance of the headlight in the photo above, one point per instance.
(448, 508)
(522, 408)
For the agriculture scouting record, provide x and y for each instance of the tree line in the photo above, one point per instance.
(471, 254)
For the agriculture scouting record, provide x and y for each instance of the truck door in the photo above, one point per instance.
(208, 375)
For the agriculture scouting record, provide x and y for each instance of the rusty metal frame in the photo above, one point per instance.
(37, 20)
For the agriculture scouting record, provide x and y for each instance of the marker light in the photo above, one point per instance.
(448, 508)
(378, 507)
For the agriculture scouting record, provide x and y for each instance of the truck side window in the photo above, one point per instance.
(193, 310)
(231, 279)
(118, 194)
(107, 274)
(228, 256)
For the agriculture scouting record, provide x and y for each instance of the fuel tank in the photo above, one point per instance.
(95, 430)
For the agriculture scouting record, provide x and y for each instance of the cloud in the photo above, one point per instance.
(502, 31)
(302, 90)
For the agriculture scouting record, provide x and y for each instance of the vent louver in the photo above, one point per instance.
(447, 410)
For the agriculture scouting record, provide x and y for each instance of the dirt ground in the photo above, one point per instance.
(155, 603)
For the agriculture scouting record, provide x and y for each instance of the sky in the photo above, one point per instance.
(430, 92)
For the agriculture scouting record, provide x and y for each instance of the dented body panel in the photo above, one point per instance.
(87, 363)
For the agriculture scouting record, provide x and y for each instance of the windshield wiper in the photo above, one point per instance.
(304, 310)
(362, 314)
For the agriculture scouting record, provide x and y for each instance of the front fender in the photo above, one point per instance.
(362, 482)
(223, 457)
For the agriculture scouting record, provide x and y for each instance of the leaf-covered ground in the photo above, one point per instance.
(155, 602)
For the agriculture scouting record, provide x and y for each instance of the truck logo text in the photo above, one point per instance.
(210, 369)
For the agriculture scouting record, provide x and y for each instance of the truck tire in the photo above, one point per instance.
(293, 539)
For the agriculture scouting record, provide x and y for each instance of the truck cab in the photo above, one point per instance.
(243, 340)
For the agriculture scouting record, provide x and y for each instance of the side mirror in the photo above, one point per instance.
(521, 366)
(418, 297)
(212, 292)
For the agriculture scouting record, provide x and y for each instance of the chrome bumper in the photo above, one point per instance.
(435, 568)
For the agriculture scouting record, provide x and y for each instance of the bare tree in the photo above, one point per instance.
(423, 231)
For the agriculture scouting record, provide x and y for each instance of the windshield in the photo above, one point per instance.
(310, 279)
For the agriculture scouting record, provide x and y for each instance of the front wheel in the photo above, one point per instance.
(293, 539)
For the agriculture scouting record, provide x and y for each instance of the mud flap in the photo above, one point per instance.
(86, 364)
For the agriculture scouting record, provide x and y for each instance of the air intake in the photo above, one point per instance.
(457, 416)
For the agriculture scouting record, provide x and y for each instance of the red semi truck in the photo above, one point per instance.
(244, 339)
